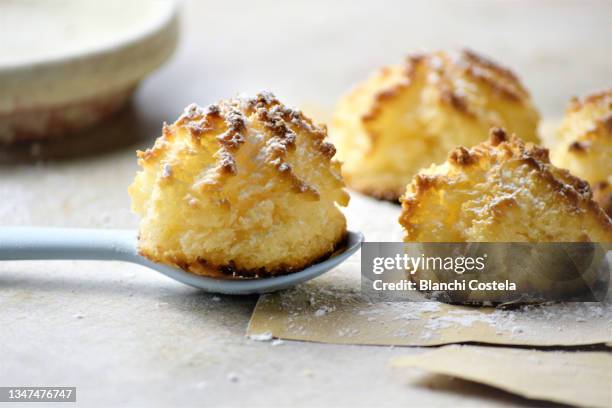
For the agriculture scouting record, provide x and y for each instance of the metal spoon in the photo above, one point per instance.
(30, 243)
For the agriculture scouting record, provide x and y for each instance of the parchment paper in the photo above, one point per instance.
(576, 378)
(332, 310)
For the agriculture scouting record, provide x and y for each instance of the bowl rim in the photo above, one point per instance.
(163, 20)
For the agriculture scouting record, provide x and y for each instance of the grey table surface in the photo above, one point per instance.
(127, 337)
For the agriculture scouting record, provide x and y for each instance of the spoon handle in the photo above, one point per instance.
(22, 243)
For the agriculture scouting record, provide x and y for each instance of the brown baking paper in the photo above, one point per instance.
(331, 309)
(576, 378)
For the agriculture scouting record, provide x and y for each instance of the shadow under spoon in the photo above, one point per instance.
(32, 243)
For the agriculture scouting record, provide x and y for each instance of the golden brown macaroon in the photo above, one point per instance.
(503, 190)
(243, 188)
(584, 144)
(408, 116)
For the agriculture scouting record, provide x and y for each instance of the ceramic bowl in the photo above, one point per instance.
(68, 64)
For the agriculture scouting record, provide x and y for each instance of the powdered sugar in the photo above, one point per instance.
(323, 310)
(266, 336)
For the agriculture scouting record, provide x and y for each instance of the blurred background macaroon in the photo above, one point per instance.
(410, 115)
(583, 144)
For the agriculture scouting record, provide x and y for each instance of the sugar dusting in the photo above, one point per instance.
(266, 336)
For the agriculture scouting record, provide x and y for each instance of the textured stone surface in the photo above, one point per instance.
(125, 336)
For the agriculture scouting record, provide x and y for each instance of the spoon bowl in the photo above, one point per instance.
(29, 243)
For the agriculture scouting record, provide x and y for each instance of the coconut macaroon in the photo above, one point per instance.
(243, 188)
(503, 190)
(411, 115)
(584, 144)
